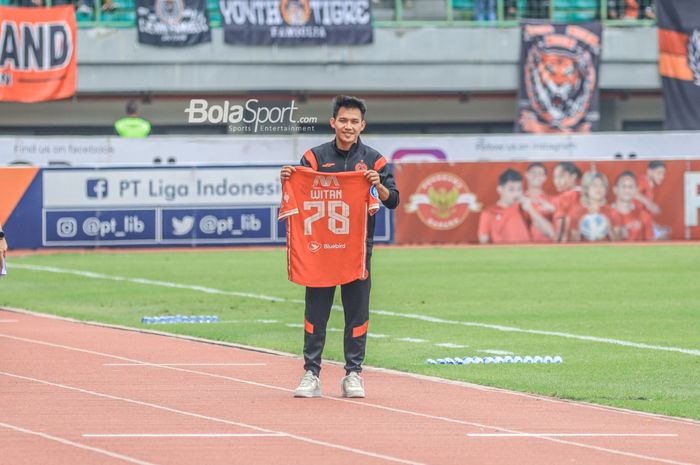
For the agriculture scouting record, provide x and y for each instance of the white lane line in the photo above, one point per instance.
(411, 339)
(573, 435)
(67, 442)
(377, 335)
(450, 345)
(8, 321)
(413, 316)
(218, 420)
(186, 435)
(369, 405)
(186, 364)
(432, 379)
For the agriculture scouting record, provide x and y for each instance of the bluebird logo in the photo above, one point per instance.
(96, 188)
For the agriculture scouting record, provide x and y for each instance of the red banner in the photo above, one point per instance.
(37, 54)
(458, 203)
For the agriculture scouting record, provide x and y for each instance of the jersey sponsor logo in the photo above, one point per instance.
(361, 166)
(326, 181)
(314, 246)
(443, 201)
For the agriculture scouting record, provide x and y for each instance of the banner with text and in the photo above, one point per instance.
(559, 78)
(117, 207)
(173, 23)
(452, 203)
(297, 22)
(38, 54)
(679, 61)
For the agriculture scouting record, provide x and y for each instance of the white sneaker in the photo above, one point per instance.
(309, 386)
(352, 386)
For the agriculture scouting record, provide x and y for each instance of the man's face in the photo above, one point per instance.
(597, 190)
(563, 181)
(657, 175)
(626, 189)
(348, 125)
(510, 192)
(536, 176)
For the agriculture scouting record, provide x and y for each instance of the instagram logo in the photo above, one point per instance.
(66, 227)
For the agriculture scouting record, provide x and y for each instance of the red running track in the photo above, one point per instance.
(73, 393)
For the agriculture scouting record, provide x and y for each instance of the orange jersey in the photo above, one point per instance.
(637, 222)
(327, 226)
(646, 188)
(564, 202)
(535, 233)
(504, 225)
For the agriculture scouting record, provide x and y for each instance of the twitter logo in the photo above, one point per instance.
(183, 226)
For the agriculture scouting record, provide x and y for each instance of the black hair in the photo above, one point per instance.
(625, 174)
(509, 175)
(570, 168)
(656, 164)
(537, 164)
(347, 101)
(132, 107)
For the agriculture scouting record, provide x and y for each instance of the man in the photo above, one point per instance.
(536, 176)
(133, 125)
(504, 223)
(631, 222)
(565, 177)
(345, 153)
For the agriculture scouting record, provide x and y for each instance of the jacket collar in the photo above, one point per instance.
(352, 150)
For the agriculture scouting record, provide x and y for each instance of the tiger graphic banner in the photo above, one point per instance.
(296, 22)
(559, 66)
(679, 62)
(37, 54)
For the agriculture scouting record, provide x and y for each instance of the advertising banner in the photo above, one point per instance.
(38, 61)
(559, 78)
(114, 207)
(297, 22)
(480, 202)
(274, 150)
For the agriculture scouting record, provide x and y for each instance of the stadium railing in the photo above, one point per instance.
(425, 13)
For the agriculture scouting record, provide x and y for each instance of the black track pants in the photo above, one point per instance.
(319, 300)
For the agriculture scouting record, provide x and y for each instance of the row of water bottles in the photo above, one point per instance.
(163, 320)
(495, 360)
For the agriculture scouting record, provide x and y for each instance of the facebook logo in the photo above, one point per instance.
(97, 188)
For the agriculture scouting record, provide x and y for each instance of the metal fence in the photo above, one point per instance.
(410, 13)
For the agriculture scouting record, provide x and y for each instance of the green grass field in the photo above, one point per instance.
(648, 296)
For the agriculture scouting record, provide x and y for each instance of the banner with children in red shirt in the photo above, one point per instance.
(548, 202)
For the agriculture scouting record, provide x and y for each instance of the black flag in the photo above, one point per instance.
(679, 61)
(173, 23)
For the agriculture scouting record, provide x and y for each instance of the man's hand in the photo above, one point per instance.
(3, 251)
(286, 172)
(373, 177)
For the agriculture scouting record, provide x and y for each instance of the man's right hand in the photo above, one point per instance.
(286, 172)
